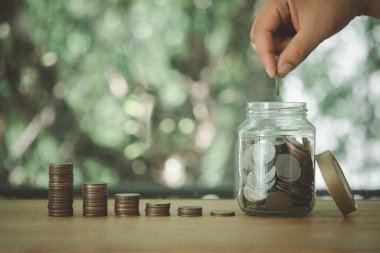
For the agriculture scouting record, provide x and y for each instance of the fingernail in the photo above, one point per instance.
(284, 69)
(268, 72)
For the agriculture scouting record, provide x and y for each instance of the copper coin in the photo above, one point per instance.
(91, 186)
(157, 204)
(263, 152)
(280, 146)
(126, 215)
(278, 201)
(190, 211)
(127, 195)
(222, 213)
(189, 215)
(95, 214)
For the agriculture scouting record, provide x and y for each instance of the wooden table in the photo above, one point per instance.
(26, 227)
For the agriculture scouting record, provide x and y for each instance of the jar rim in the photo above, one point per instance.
(276, 105)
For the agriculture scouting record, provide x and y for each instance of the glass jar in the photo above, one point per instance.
(276, 160)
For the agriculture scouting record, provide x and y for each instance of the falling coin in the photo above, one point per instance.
(277, 87)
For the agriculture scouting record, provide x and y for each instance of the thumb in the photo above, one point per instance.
(302, 44)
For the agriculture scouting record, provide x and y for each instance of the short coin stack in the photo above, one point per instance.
(157, 209)
(127, 204)
(60, 189)
(222, 213)
(95, 199)
(189, 211)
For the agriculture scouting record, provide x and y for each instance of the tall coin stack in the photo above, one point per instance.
(127, 204)
(157, 209)
(95, 198)
(60, 189)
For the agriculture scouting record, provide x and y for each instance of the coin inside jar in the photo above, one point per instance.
(263, 152)
(288, 168)
(278, 201)
(254, 194)
(261, 180)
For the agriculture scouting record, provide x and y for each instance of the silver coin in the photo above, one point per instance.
(246, 159)
(261, 178)
(288, 168)
(263, 152)
(271, 184)
(255, 180)
(254, 194)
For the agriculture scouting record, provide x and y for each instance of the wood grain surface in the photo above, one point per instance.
(26, 227)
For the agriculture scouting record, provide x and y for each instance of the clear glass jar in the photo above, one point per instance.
(276, 160)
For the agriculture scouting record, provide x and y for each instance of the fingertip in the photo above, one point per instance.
(269, 72)
(271, 66)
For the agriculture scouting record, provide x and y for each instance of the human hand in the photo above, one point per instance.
(292, 29)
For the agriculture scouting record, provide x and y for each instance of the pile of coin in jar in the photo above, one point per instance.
(276, 175)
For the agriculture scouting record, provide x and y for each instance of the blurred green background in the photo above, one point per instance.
(147, 95)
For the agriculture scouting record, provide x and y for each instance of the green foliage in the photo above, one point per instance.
(129, 84)
(146, 91)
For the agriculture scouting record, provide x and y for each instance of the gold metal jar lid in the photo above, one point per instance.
(336, 182)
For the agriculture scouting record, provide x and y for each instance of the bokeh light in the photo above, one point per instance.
(152, 92)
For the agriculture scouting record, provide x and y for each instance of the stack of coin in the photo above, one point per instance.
(258, 160)
(60, 189)
(127, 204)
(189, 211)
(95, 199)
(157, 209)
(222, 213)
